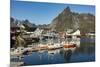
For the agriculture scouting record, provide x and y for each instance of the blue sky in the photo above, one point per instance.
(44, 13)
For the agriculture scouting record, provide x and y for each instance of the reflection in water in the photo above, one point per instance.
(67, 55)
(86, 52)
(54, 52)
(86, 48)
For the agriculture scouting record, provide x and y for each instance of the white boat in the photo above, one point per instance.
(17, 51)
(42, 46)
(54, 46)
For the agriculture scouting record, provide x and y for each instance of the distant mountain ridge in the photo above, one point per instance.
(15, 22)
(26, 23)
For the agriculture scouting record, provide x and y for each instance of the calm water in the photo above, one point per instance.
(85, 53)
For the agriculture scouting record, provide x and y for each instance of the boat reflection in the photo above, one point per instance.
(57, 51)
(67, 55)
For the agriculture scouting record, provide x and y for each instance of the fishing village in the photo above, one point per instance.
(40, 39)
(25, 42)
(69, 37)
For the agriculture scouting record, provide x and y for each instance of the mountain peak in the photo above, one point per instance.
(66, 10)
(71, 20)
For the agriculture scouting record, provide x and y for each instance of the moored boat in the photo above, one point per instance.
(69, 45)
(54, 46)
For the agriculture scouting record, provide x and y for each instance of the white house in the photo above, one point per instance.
(37, 33)
(76, 33)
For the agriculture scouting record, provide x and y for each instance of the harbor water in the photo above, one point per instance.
(85, 53)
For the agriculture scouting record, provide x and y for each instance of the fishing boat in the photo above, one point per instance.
(42, 46)
(72, 40)
(17, 51)
(69, 45)
(54, 46)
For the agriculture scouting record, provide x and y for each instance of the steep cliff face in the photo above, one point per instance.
(70, 20)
